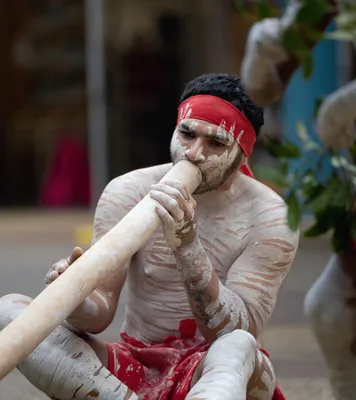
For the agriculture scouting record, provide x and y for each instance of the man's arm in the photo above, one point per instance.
(247, 298)
(97, 311)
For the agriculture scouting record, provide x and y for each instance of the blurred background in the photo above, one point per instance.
(89, 90)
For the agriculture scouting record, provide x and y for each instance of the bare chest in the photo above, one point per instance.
(223, 236)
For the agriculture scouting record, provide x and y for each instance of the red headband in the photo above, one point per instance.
(220, 113)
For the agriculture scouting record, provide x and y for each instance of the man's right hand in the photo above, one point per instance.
(60, 266)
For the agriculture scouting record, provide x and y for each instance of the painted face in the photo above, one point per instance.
(212, 148)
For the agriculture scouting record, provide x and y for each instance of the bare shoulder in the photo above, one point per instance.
(122, 194)
(269, 214)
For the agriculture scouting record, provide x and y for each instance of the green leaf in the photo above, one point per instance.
(292, 40)
(271, 175)
(316, 230)
(322, 201)
(293, 214)
(325, 221)
(313, 34)
(302, 131)
(265, 10)
(313, 146)
(284, 166)
(310, 186)
(306, 62)
(318, 102)
(307, 142)
(352, 150)
(311, 12)
(295, 44)
(343, 196)
(285, 150)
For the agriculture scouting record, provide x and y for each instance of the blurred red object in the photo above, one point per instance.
(68, 181)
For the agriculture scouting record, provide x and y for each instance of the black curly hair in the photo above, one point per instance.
(228, 87)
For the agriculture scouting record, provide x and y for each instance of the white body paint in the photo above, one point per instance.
(247, 241)
(333, 321)
(223, 307)
(213, 163)
(225, 224)
(64, 366)
(247, 245)
(227, 368)
(204, 271)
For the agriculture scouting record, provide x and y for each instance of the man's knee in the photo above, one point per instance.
(15, 298)
(11, 306)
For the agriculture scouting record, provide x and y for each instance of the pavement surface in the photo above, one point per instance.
(31, 241)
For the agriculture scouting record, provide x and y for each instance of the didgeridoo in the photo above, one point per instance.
(55, 303)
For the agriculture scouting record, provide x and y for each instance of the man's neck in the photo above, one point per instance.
(227, 185)
(225, 193)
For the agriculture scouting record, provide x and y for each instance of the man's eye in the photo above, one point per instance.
(187, 134)
(217, 144)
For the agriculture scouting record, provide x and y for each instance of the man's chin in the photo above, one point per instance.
(205, 188)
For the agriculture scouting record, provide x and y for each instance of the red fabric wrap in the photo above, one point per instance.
(161, 371)
(220, 113)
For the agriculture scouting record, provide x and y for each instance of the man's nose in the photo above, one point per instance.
(195, 152)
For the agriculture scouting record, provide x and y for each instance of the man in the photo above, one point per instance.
(202, 289)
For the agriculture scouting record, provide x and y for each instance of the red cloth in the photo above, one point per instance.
(68, 180)
(161, 371)
(245, 169)
(220, 112)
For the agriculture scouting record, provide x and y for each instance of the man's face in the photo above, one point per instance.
(212, 148)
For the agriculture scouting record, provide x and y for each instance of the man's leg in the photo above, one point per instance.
(64, 366)
(232, 367)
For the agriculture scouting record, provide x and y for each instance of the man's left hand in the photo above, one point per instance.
(176, 208)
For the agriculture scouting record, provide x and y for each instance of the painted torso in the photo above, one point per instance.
(157, 300)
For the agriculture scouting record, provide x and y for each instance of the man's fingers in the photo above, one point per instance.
(51, 276)
(192, 202)
(181, 200)
(75, 254)
(181, 187)
(168, 226)
(169, 203)
(60, 266)
(166, 218)
(171, 191)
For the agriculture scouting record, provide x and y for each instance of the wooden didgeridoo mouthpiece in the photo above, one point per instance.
(55, 303)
